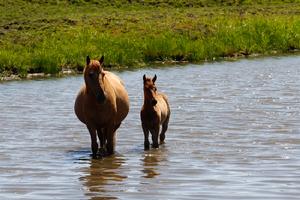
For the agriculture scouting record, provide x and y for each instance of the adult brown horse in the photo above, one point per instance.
(102, 104)
(155, 112)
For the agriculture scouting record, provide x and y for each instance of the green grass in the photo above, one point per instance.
(46, 36)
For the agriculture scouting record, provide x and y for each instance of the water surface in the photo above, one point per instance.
(234, 133)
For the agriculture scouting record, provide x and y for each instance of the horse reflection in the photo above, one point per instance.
(151, 161)
(100, 175)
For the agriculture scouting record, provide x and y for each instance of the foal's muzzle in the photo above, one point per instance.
(154, 102)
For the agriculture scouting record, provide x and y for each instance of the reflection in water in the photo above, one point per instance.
(151, 161)
(100, 173)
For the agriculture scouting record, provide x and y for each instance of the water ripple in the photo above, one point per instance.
(233, 134)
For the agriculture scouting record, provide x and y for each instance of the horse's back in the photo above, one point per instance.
(122, 99)
(114, 78)
(164, 106)
(78, 106)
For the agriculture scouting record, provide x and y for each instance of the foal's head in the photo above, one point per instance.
(93, 76)
(150, 90)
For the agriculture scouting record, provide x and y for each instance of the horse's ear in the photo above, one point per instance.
(144, 77)
(154, 78)
(101, 60)
(88, 60)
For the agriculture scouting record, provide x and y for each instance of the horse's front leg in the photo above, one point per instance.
(94, 144)
(102, 140)
(110, 134)
(111, 141)
(146, 137)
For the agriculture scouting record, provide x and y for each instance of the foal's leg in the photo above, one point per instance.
(163, 131)
(146, 137)
(94, 144)
(155, 133)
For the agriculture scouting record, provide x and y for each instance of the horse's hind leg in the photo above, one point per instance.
(163, 131)
(94, 144)
(146, 137)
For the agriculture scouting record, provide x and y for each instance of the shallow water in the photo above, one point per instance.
(234, 133)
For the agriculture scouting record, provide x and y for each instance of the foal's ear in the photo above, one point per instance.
(88, 60)
(154, 78)
(144, 77)
(101, 60)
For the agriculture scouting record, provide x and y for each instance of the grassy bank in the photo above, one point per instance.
(46, 36)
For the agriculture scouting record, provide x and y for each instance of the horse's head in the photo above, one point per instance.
(150, 90)
(93, 76)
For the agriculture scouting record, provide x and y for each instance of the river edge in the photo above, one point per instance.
(68, 71)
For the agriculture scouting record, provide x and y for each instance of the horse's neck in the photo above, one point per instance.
(88, 91)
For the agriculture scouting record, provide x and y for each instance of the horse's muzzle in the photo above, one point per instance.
(100, 98)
